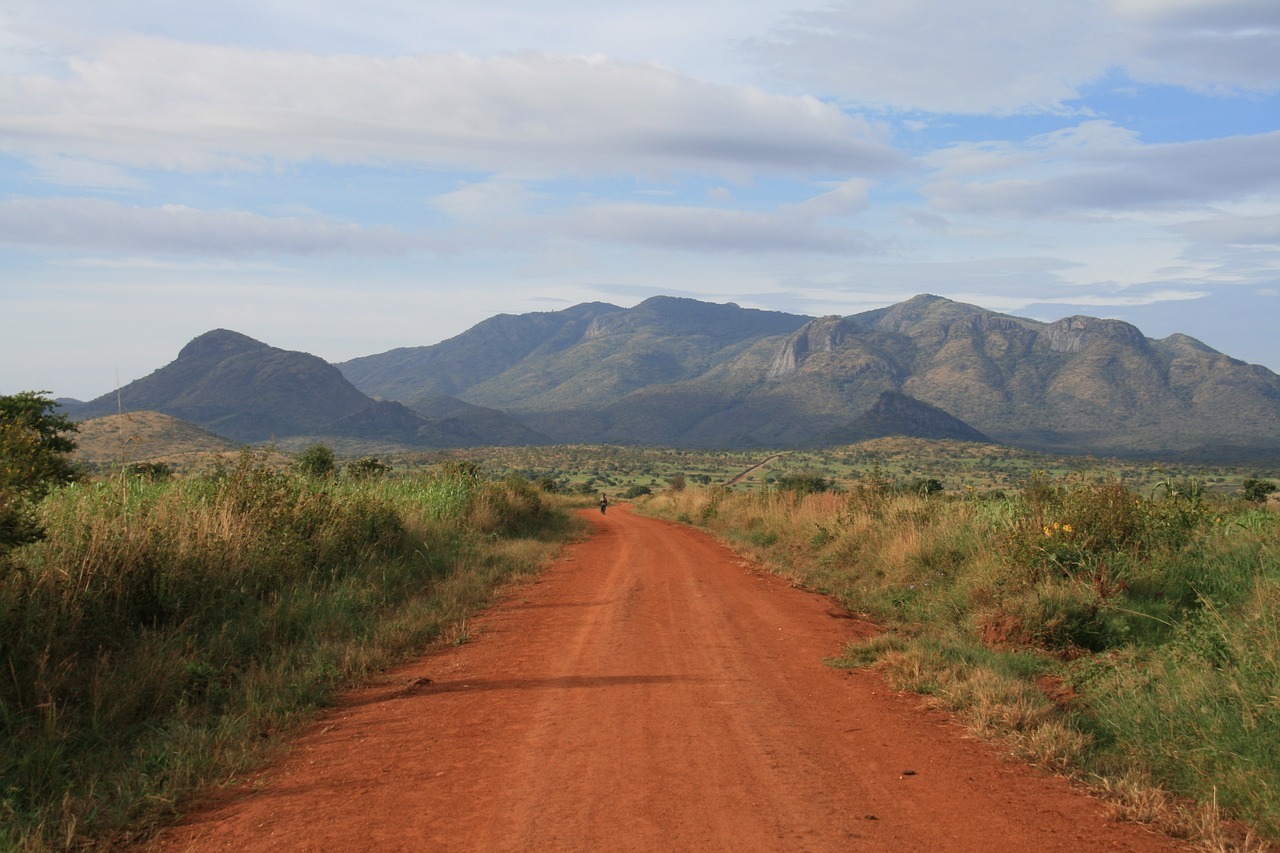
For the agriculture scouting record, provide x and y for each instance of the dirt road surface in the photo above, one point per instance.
(650, 691)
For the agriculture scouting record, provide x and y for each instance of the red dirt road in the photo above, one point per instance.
(649, 692)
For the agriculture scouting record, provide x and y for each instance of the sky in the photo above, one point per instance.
(344, 178)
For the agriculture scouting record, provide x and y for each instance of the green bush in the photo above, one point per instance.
(318, 461)
(35, 456)
(1256, 491)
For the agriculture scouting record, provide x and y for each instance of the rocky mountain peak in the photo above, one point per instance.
(1073, 334)
(220, 343)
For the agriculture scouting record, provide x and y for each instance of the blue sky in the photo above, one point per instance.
(344, 178)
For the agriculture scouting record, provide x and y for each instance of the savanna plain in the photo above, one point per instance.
(166, 626)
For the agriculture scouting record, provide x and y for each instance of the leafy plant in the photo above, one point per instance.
(1256, 491)
(318, 461)
(35, 456)
(367, 468)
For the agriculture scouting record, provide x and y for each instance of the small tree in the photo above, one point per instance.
(367, 468)
(804, 483)
(1257, 490)
(155, 472)
(35, 455)
(926, 486)
(318, 461)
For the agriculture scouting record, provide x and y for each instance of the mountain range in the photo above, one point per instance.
(680, 372)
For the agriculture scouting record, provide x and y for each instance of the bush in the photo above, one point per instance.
(1257, 491)
(35, 456)
(804, 483)
(154, 472)
(367, 468)
(318, 461)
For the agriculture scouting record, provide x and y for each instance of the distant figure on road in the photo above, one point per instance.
(604, 502)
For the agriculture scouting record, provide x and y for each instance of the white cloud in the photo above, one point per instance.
(694, 229)
(1234, 230)
(478, 201)
(95, 224)
(981, 56)
(155, 103)
(996, 57)
(1204, 44)
(1099, 169)
(848, 198)
(72, 172)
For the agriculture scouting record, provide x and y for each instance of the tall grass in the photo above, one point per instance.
(1131, 639)
(163, 631)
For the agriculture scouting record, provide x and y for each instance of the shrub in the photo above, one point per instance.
(367, 468)
(804, 483)
(35, 456)
(1256, 491)
(318, 461)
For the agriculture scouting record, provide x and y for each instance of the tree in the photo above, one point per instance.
(35, 455)
(1257, 490)
(48, 447)
(926, 486)
(804, 483)
(318, 461)
(367, 468)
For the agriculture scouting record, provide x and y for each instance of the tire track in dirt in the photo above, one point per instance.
(649, 692)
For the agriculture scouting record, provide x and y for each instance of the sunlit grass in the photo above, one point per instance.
(1156, 613)
(164, 631)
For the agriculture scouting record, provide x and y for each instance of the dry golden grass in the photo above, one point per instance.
(1064, 649)
(149, 437)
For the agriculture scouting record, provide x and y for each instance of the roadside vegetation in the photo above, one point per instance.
(1130, 638)
(157, 632)
(164, 620)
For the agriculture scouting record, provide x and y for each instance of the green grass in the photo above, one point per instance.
(164, 632)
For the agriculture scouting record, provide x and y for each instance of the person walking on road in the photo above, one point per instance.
(604, 502)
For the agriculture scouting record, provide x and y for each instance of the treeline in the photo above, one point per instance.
(1130, 639)
(156, 631)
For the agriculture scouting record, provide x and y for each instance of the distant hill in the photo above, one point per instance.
(248, 392)
(897, 414)
(678, 372)
(146, 437)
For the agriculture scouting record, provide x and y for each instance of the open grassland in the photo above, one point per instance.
(163, 632)
(958, 466)
(1131, 638)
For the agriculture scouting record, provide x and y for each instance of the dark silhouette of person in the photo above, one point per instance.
(604, 502)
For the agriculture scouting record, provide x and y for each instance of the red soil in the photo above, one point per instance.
(649, 692)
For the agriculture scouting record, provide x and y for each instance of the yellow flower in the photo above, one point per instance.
(1048, 531)
(1066, 528)
(1057, 525)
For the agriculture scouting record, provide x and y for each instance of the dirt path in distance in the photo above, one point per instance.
(738, 478)
(649, 692)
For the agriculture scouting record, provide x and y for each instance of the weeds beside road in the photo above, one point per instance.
(162, 632)
(1131, 640)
